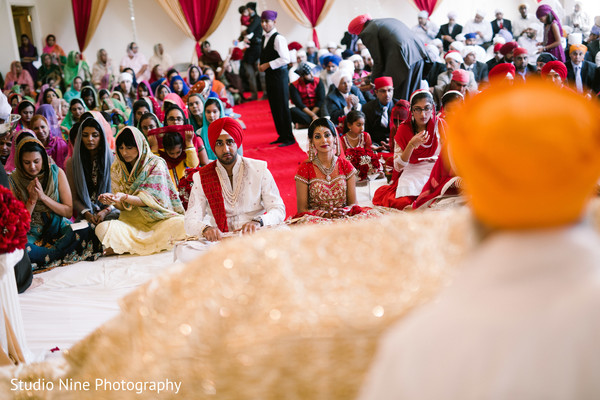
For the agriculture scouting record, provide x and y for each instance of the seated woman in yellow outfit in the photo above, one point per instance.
(151, 213)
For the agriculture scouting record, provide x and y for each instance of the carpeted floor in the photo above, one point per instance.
(282, 161)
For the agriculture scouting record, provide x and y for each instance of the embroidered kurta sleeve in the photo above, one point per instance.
(198, 215)
(272, 201)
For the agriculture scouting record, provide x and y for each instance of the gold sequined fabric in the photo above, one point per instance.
(278, 315)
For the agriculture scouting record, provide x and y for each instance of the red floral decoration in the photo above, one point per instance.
(185, 186)
(14, 222)
(365, 161)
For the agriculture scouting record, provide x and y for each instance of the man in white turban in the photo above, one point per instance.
(482, 28)
(425, 29)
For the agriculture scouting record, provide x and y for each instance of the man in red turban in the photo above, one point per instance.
(556, 72)
(232, 193)
(523, 70)
(378, 112)
(507, 50)
(501, 72)
(395, 49)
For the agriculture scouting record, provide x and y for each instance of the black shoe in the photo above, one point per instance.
(276, 141)
(285, 144)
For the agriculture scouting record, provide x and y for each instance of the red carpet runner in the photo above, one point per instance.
(282, 161)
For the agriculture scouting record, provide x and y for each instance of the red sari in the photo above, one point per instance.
(386, 195)
(441, 174)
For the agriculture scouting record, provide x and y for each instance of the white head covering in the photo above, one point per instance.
(479, 11)
(355, 57)
(322, 52)
(436, 42)
(423, 14)
(460, 37)
(365, 53)
(468, 50)
(499, 39)
(458, 46)
(433, 52)
(497, 11)
(575, 38)
(5, 108)
(347, 65)
(300, 52)
(339, 74)
(339, 53)
(310, 43)
(331, 44)
(452, 15)
(125, 77)
(455, 56)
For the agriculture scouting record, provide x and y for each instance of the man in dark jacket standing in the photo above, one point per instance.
(396, 51)
(252, 53)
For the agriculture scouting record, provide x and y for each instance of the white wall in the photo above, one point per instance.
(153, 26)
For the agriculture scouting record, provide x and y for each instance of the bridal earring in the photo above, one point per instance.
(311, 152)
(337, 147)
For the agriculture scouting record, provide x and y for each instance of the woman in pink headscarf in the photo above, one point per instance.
(552, 32)
(17, 76)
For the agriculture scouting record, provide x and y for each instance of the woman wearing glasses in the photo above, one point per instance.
(416, 149)
(180, 153)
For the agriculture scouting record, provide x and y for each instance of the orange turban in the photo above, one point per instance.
(356, 26)
(227, 124)
(581, 47)
(527, 167)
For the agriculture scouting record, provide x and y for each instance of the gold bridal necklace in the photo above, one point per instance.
(326, 171)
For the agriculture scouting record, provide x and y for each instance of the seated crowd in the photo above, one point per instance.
(149, 155)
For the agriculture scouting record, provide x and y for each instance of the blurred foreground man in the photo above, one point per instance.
(520, 320)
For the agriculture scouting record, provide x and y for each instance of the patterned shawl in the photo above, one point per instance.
(149, 179)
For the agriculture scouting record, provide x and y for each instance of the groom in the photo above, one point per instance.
(232, 193)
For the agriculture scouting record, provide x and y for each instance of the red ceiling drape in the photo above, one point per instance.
(427, 5)
(312, 9)
(82, 9)
(199, 15)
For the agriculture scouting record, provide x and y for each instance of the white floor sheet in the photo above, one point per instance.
(70, 302)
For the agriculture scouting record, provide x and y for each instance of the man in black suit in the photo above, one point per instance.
(501, 23)
(252, 53)
(395, 49)
(470, 63)
(343, 97)
(378, 112)
(523, 70)
(449, 31)
(581, 74)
